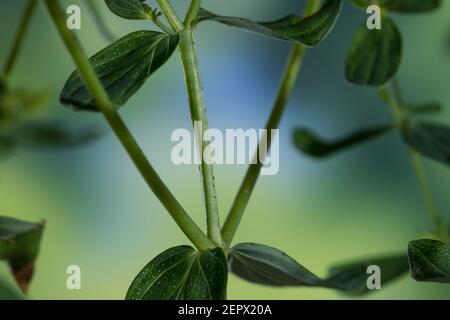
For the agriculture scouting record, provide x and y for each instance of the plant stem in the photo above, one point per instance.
(18, 39)
(97, 90)
(192, 12)
(171, 15)
(397, 105)
(251, 177)
(99, 21)
(198, 114)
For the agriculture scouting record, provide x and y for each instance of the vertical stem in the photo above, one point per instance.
(198, 114)
(171, 15)
(397, 105)
(18, 39)
(251, 177)
(192, 12)
(116, 123)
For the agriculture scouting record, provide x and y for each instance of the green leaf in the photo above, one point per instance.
(19, 246)
(308, 31)
(352, 277)
(182, 273)
(374, 55)
(312, 145)
(8, 293)
(424, 108)
(122, 67)
(429, 261)
(410, 6)
(130, 9)
(268, 266)
(429, 139)
(53, 135)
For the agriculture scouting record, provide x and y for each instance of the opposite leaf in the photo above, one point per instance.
(19, 246)
(308, 31)
(130, 9)
(429, 261)
(410, 6)
(431, 140)
(268, 266)
(352, 278)
(182, 273)
(424, 108)
(122, 67)
(312, 145)
(374, 55)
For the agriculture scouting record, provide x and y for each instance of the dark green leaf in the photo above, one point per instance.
(410, 6)
(182, 273)
(309, 31)
(429, 261)
(312, 145)
(122, 67)
(6, 146)
(431, 107)
(130, 9)
(431, 140)
(268, 266)
(53, 135)
(19, 246)
(374, 55)
(352, 278)
(8, 293)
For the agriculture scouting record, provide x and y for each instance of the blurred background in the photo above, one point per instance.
(101, 215)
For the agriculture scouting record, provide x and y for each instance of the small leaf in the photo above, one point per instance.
(268, 266)
(429, 139)
(53, 135)
(429, 261)
(19, 246)
(424, 108)
(312, 145)
(182, 273)
(352, 278)
(130, 9)
(410, 6)
(308, 31)
(374, 55)
(122, 67)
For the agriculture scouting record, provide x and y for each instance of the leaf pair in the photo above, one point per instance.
(182, 273)
(374, 56)
(19, 246)
(308, 31)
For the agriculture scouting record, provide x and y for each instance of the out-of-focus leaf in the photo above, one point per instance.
(429, 139)
(53, 135)
(308, 31)
(182, 273)
(410, 6)
(8, 293)
(265, 265)
(123, 67)
(424, 108)
(19, 246)
(352, 278)
(429, 260)
(130, 9)
(374, 55)
(312, 145)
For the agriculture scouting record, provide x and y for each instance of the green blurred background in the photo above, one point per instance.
(101, 215)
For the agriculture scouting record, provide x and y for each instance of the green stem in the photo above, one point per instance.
(162, 26)
(18, 39)
(95, 87)
(99, 21)
(251, 177)
(192, 12)
(397, 105)
(198, 115)
(171, 15)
